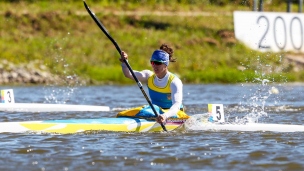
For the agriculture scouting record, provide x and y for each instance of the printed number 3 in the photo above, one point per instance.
(9, 96)
(218, 112)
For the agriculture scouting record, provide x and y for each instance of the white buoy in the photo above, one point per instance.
(7, 96)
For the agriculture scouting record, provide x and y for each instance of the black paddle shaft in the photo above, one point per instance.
(104, 30)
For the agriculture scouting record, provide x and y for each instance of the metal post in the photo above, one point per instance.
(255, 5)
(288, 5)
(261, 5)
(300, 5)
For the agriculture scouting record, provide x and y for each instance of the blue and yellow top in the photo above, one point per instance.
(160, 96)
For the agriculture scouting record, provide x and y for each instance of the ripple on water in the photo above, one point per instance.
(180, 150)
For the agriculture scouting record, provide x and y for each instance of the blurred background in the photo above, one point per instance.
(57, 42)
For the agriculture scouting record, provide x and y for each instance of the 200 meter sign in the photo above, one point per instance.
(270, 31)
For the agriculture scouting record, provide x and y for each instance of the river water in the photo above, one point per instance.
(180, 150)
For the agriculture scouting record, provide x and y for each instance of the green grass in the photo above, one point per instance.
(66, 39)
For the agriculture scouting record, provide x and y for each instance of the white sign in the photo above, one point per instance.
(270, 31)
(216, 112)
(7, 96)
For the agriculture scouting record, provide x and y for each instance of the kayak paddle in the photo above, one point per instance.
(104, 30)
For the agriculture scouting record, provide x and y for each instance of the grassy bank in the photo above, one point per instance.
(66, 39)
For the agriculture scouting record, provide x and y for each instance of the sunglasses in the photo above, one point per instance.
(156, 63)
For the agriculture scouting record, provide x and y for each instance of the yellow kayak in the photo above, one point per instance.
(71, 126)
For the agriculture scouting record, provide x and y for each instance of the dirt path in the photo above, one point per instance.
(138, 13)
(157, 13)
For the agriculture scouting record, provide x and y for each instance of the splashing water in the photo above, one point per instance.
(62, 91)
(197, 122)
(253, 109)
(58, 95)
(257, 102)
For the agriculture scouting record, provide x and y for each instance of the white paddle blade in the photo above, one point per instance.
(216, 112)
(7, 96)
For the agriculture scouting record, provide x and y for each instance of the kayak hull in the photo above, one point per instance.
(135, 125)
(251, 127)
(81, 125)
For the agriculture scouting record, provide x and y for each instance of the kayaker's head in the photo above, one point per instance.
(163, 55)
(160, 60)
(160, 57)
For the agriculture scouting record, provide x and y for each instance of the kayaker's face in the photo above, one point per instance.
(160, 69)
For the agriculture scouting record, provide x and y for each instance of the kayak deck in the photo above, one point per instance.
(123, 124)
(82, 125)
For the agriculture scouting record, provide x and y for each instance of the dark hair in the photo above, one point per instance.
(169, 50)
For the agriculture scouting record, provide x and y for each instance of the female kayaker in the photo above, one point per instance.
(165, 88)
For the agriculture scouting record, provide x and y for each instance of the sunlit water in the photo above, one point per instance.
(180, 150)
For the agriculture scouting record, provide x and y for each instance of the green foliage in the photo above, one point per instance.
(66, 39)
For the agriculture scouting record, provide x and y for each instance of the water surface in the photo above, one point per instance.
(179, 150)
